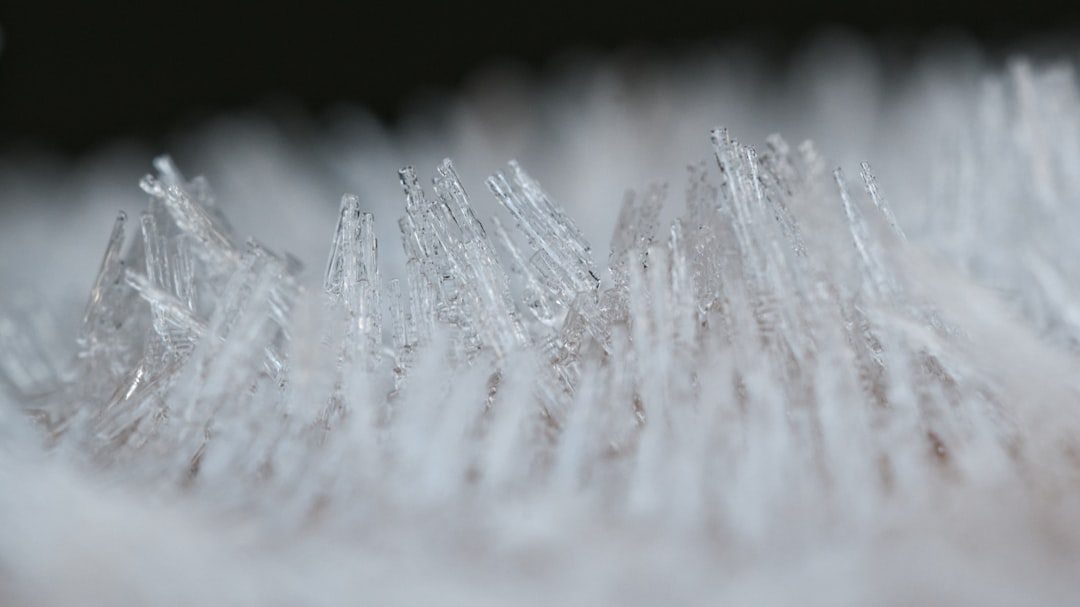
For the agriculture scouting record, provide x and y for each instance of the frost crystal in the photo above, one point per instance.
(779, 370)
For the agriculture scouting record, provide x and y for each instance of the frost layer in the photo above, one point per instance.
(774, 387)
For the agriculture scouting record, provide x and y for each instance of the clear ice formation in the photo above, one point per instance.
(198, 347)
(777, 362)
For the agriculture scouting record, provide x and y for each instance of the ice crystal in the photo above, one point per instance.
(186, 355)
(776, 370)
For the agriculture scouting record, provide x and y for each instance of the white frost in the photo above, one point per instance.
(769, 389)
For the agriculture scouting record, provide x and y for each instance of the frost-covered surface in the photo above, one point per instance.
(777, 382)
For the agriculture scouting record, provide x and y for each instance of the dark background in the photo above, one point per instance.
(77, 75)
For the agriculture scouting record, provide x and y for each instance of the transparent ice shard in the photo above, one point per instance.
(215, 242)
(433, 285)
(169, 284)
(539, 301)
(561, 264)
(875, 275)
(452, 252)
(475, 255)
(174, 321)
(879, 199)
(98, 308)
(352, 278)
(635, 230)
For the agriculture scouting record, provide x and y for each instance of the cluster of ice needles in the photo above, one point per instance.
(775, 387)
